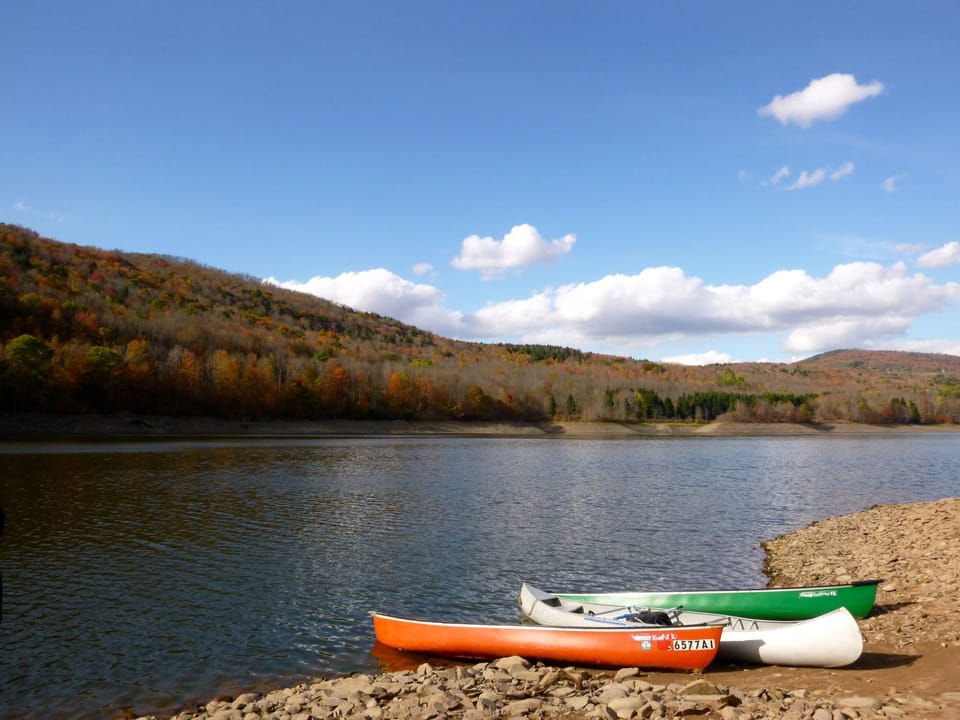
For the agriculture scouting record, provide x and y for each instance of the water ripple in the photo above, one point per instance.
(143, 575)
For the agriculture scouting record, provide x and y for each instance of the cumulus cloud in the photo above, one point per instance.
(521, 247)
(949, 254)
(385, 293)
(710, 357)
(825, 98)
(512, 318)
(856, 304)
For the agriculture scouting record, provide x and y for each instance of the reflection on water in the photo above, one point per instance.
(392, 660)
(147, 574)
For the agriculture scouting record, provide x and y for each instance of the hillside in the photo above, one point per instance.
(85, 330)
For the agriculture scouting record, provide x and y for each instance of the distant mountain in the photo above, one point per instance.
(887, 361)
(87, 330)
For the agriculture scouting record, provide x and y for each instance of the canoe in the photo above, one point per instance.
(791, 603)
(829, 640)
(668, 648)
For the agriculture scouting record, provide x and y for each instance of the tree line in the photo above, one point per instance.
(84, 330)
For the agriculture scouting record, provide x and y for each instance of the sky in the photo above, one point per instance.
(690, 182)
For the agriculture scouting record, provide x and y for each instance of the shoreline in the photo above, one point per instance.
(907, 669)
(34, 426)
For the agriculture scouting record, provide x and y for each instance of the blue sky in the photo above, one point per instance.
(685, 181)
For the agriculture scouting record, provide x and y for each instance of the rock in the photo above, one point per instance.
(626, 707)
(613, 691)
(869, 703)
(522, 707)
(701, 687)
(227, 713)
(512, 665)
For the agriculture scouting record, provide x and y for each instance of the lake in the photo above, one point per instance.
(146, 574)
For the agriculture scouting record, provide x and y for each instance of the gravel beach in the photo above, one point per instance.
(910, 667)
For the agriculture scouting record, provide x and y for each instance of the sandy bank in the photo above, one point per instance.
(36, 425)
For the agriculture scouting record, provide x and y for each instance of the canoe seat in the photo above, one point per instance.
(554, 601)
(652, 617)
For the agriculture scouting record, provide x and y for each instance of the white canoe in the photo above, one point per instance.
(829, 640)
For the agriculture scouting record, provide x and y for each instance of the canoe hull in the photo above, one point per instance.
(687, 648)
(795, 603)
(829, 640)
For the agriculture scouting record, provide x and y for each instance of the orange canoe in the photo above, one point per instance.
(676, 648)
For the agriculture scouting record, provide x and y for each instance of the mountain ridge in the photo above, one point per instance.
(86, 330)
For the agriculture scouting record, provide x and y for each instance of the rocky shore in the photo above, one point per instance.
(910, 667)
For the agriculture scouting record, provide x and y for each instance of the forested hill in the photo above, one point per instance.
(86, 330)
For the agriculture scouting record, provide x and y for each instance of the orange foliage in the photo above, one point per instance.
(154, 334)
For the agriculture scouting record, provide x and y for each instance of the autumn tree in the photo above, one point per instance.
(25, 372)
(103, 367)
(397, 393)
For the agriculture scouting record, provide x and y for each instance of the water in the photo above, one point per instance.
(144, 575)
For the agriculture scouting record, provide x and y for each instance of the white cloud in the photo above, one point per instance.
(511, 318)
(815, 177)
(710, 357)
(779, 175)
(842, 171)
(855, 305)
(890, 184)
(825, 98)
(22, 206)
(949, 254)
(382, 292)
(810, 179)
(852, 304)
(843, 333)
(422, 268)
(521, 247)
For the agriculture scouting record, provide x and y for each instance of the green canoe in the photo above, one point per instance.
(793, 603)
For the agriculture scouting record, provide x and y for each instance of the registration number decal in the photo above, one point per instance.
(699, 644)
(669, 641)
(818, 593)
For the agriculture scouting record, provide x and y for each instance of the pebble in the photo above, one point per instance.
(472, 694)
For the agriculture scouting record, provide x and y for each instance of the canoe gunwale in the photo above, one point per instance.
(775, 603)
